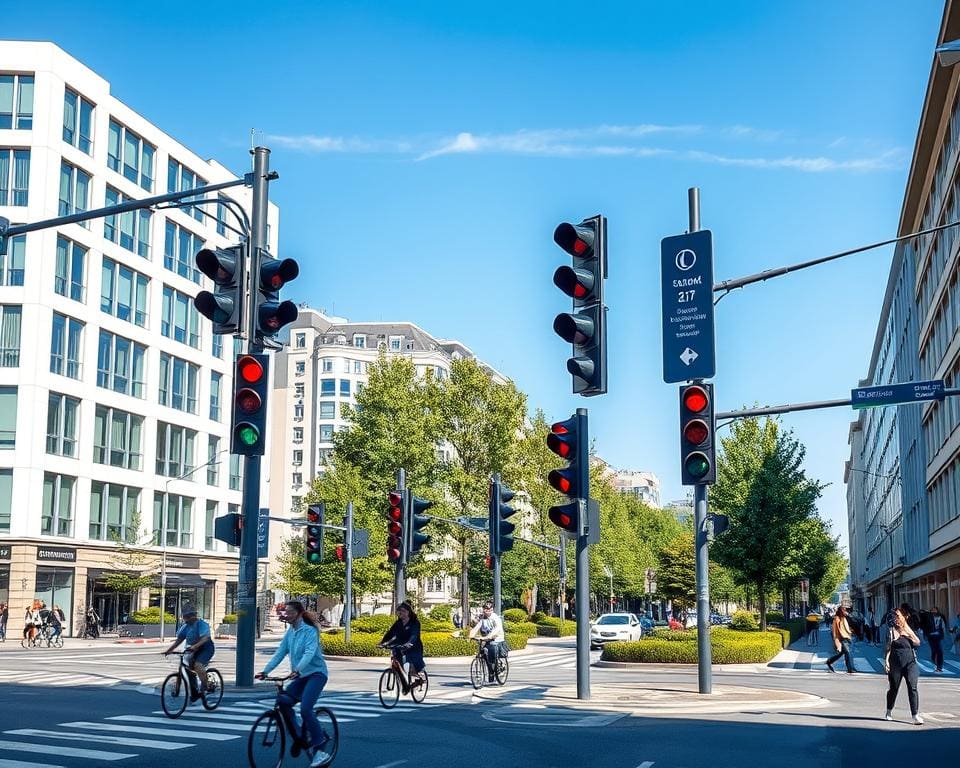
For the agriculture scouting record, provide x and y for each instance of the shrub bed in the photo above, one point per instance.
(796, 628)
(441, 613)
(525, 628)
(743, 620)
(550, 626)
(727, 647)
(775, 617)
(538, 616)
(230, 618)
(434, 644)
(516, 615)
(152, 616)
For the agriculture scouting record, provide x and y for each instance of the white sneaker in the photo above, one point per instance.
(888, 716)
(319, 758)
(917, 720)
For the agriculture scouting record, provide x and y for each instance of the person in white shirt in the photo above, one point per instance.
(490, 628)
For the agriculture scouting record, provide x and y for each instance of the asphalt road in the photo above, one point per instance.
(97, 706)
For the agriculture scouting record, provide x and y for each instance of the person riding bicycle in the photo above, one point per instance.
(308, 668)
(404, 635)
(490, 628)
(54, 623)
(200, 648)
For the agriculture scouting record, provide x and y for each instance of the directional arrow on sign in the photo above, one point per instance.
(688, 356)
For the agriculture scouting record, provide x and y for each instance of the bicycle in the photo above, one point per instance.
(813, 633)
(479, 670)
(175, 693)
(53, 640)
(393, 679)
(267, 742)
(43, 637)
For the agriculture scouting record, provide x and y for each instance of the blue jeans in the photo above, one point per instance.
(306, 690)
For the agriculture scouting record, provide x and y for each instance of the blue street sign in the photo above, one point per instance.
(896, 394)
(263, 533)
(686, 274)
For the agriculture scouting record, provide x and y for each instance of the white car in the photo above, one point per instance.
(614, 627)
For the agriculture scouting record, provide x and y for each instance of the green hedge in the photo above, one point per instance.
(538, 616)
(550, 626)
(729, 647)
(434, 644)
(379, 624)
(516, 615)
(525, 628)
(743, 621)
(229, 618)
(775, 616)
(796, 628)
(441, 613)
(152, 616)
(673, 635)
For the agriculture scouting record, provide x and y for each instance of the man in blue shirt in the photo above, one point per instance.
(196, 633)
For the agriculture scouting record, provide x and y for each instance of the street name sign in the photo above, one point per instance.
(686, 275)
(896, 394)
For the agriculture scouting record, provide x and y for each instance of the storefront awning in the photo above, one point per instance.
(183, 580)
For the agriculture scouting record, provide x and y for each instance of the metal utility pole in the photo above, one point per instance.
(583, 567)
(348, 554)
(247, 579)
(704, 658)
(400, 579)
(562, 553)
(495, 550)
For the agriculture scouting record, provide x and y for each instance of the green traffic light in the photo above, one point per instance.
(697, 465)
(314, 557)
(249, 434)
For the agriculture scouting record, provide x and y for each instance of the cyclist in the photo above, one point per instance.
(308, 668)
(490, 628)
(31, 620)
(196, 632)
(404, 634)
(54, 623)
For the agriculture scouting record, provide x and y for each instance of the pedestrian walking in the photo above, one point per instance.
(4, 615)
(31, 620)
(92, 621)
(840, 629)
(956, 634)
(900, 663)
(935, 637)
(874, 629)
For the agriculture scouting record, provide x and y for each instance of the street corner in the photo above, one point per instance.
(683, 700)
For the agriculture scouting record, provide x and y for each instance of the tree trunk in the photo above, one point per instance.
(464, 587)
(762, 599)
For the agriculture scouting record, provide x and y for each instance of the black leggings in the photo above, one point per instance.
(910, 673)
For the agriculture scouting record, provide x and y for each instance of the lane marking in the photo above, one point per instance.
(184, 720)
(93, 754)
(645, 764)
(82, 724)
(103, 738)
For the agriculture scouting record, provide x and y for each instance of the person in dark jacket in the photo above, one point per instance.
(404, 636)
(900, 664)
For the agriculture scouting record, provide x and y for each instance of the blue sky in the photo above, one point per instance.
(427, 150)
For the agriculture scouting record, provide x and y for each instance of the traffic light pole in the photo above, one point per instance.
(494, 553)
(583, 568)
(348, 589)
(247, 577)
(400, 578)
(704, 659)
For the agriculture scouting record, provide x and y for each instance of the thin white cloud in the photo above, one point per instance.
(340, 144)
(885, 161)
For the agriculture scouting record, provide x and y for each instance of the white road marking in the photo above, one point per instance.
(21, 764)
(186, 720)
(645, 764)
(150, 731)
(391, 765)
(93, 754)
(103, 738)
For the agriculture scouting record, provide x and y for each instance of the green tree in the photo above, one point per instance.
(676, 573)
(762, 487)
(131, 568)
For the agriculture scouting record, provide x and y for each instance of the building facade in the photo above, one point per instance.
(644, 485)
(101, 343)
(909, 507)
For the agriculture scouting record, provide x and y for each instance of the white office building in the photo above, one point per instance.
(101, 345)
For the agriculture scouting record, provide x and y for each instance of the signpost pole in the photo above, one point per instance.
(348, 596)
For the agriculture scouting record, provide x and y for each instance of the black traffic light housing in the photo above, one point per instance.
(698, 455)
(271, 313)
(585, 326)
(568, 439)
(251, 388)
(313, 533)
(396, 549)
(415, 522)
(224, 307)
(501, 529)
(226, 528)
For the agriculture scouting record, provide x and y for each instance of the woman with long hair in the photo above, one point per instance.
(842, 635)
(900, 663)
(404, 635)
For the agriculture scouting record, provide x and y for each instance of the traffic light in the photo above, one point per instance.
(251, 388)
(568, 439)
(698, 465)
(226, 528)
(341, 552)
(313, 533)
(395, 546)
(501, 529)
(273, 314)
(223, 307)
(716, 524)
(416, 520)
(585, 326)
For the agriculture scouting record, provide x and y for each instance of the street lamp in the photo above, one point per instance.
(163, 533)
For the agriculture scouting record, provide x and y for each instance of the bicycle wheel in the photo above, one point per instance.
(58, 641)
(174, 695)
(212, 693)
(389, 689)
(419, 692)
(503, 670)
(328, 724)
(478, 672)
(267, 741)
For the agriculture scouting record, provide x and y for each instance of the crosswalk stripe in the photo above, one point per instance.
(186, 719)
(92, 754)
(218, 715)
(150, 731)
(102, 738)
(22, 764)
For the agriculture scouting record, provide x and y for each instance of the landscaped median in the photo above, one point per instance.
(728, 646)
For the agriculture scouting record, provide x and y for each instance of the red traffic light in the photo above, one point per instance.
(340, 551)
(313, 516)
(575, 240)
(560, 481)
(276, 272)
(248, 401)
(696, 432)
(563, 519)
(249, 369)
(695, 399)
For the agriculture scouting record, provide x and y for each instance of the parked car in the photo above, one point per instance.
(614, 627)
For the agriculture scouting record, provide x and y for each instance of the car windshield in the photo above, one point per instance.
(614, 620)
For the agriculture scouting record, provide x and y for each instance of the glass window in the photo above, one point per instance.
(16, 102)
(217, 346)
(114, 510)
(359, 341)
(213, 460)
(300, 368)
(14, 176)
(62, 414)
(180, 320)
(178, 383)
(181, 179)
(301, 340)
(121, 365)
(68, 279)
(235, 478)
(298, 434)
(11, 263)
(216, 380)
(123, 292)
(8, 417)
(327, 364)
(328, 387)
(117, 438)
(78, 121)
(298, 457)
(10, 335)
(74, 191)
(130, 155)
(6, 499)
(173, 520)
(395, 342)
(326, 432)
(344, 387)
(209, 542)
(328, 410)
(57, 516)
(130, 230)
(175, 450)
(298, 389)
(65, 346)
(180, 247)
(298, 412)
